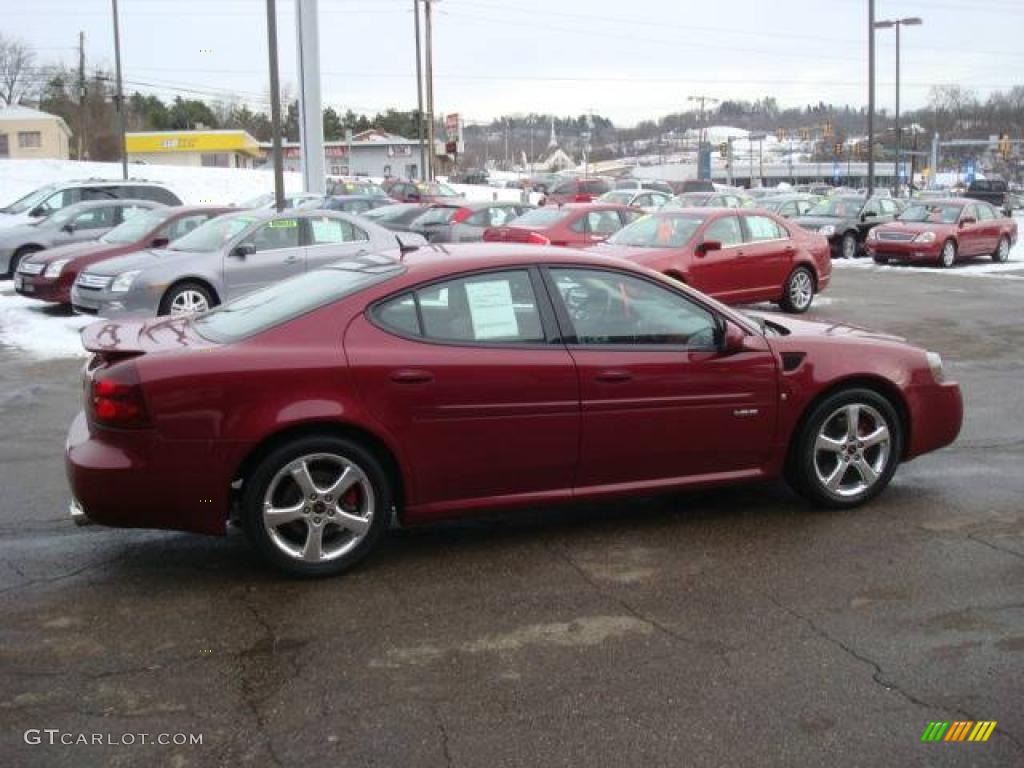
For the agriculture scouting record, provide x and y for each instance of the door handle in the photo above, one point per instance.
(411, 376)
(291, 260)
(613, 376)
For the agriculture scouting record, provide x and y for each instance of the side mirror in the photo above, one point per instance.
(159, 242)
(968, 220)
(707, 246)
(243, 249)
(35, 213)
(867, 215)
(731, 339)
(69, 227)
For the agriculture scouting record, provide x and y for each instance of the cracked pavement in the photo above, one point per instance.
(735, 627)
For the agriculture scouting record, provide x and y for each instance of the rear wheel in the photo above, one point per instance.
(316, 506)
(847, 449)
(1002, 251)
(186, 298)
(798, 292)
(947, 258)
(848, 247)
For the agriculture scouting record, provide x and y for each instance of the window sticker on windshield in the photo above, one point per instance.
(491, 310)
(283, 224)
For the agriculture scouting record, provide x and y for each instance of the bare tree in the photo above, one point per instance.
(15, 64)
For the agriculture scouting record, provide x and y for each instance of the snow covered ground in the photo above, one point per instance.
(40, 330)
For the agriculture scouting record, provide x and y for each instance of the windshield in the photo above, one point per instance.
(541, 217)
(286, 300)
(839, 209)
(934, 214)
(31, 200)
(135, 228)
(657, 232)
(440, 215)
(213, 235)
(617, 197)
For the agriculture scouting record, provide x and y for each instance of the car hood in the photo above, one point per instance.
(143, 259)
(817, 222)
(8, 220)
(126, 338)
(797, 328)
(74, 250)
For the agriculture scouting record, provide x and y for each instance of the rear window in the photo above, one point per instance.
(278, 303)
(541, 217)
(594, 186)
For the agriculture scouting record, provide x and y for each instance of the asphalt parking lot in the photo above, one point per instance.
(723, 628)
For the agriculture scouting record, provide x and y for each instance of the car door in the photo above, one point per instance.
(277, 254)
(971, 232)
(718, 272)
(870, 216)
(331, 239)
(768, 256)
(990, 229)
(659, 403)
(463, 374)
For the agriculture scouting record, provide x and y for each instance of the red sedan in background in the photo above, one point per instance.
(478, 377)
(576, 191)
(944, 231)
(48, 275)
(736, 256)
(574, 224)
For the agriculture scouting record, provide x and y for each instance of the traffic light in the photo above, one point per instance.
(723, 149)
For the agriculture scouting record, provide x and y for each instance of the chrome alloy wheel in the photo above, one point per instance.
(1003, 251)
(189, 301)
(852, 450)
(801, 290)
(948, 257)
(318, 507)
(849, 246)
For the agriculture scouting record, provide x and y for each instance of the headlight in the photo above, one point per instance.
(935, 364)
(872, 234)
(925, 237)
(828, 230)
(54, 268)
(124, 281)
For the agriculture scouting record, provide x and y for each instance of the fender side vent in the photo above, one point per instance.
(791, 360)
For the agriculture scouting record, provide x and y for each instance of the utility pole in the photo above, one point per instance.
(703, 153)
(419, 92)
(311, 116)
(871, 97)
(506, 143)
(120, 92)
(81, 96)
(910, 21)
(430, 88)
(275, 106)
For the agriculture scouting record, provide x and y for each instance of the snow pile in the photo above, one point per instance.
(192, 185)
(42, 330)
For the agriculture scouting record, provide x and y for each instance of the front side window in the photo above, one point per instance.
(493, 308)
(932, 213)
(214, 234)
(725, 230)
(95, 218)
(986, 212)
(135, 228)
(603, 223)
(276, 235)
(763, 228)
(613, 308)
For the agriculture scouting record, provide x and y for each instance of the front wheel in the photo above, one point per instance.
(186, 299)
(798, 292)
(1002, 251)
(847, 449)
(948, 256)
(316, 506)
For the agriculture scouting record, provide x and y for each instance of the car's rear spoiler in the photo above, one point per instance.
(409, 241)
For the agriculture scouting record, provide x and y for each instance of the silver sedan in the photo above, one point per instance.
(225, 258)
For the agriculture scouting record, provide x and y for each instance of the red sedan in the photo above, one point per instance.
(944, 231)
(475, 378)
(48, 275)
(575, 224)
(736, 256)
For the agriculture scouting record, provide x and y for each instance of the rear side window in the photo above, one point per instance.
(986, 213)
(103, 193)
(594, 187)
(324, 230)
(157, 194)
(493, 308)
(184, 225)
(763, 228)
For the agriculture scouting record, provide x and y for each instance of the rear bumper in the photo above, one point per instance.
(144, 481)
(936, 415)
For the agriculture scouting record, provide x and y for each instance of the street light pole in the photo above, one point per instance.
(419, 92)
(430, 88)
(275, 106)
(121, 117)
(871, 97)
(910, 21)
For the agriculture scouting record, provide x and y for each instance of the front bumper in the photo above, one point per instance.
(136, 479)
(105, 303)
(43, 288)
(905, 251)
(936, 416)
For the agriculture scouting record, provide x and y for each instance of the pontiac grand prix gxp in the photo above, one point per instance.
(478, 377)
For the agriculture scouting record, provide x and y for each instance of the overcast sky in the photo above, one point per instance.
(629, 61)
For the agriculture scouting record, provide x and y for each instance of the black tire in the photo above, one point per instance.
(274, 466)
(798, 291)
(947, 256)
(848, 246)
(1002, 252)
(178, 291)
(18, 255)
(880, 259)
(804, 472)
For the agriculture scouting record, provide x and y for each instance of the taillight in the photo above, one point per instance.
(491, 236)
(583, 198)
(461, 215)
(538, 239)
(115, 397)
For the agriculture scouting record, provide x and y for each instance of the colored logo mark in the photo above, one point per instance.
(959, 730)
